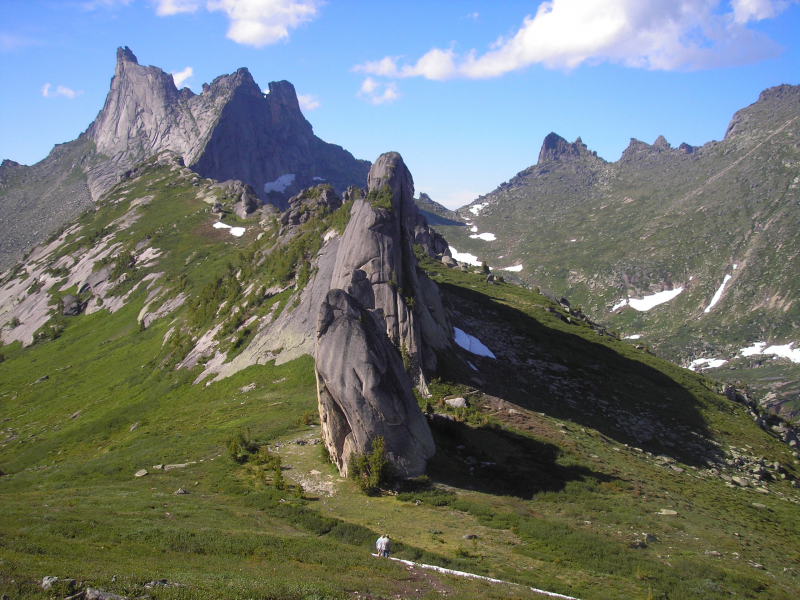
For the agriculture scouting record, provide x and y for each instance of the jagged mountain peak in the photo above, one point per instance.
(124, 54)
(661, 143)
(555, 147)
(232, 130)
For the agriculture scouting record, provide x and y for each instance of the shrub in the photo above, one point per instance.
(278, 481)
(371, 470)
(240, 447)
(381, 198)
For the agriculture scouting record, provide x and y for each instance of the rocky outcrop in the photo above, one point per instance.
(556, 147)
(245, 200)
(364, 391)
(376, 252)
(307, 204)
(230, 131)
(380, 327)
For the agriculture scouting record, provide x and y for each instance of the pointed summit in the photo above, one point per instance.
(124, 54)
(556, 147)
(231, 131)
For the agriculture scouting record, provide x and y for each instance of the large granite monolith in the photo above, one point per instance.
(364, 391)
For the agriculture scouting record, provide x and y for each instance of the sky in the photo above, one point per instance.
(465, 90)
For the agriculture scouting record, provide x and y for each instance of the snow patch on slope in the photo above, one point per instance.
(718, 293)
(235, 231)
(706, 363)
(280, 184)
(471, 344)
(465, 257)
(784, 351)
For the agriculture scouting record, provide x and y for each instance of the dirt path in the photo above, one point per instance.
(473, 576)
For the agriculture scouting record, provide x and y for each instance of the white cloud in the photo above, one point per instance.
(60, 91)
(473, 15)
(563, 34)
(165, 8)
(182, 76)
(262, 22)
(308, 102)
(377, 92)
(745, 11)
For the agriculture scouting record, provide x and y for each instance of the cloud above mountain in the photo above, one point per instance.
(255, 23)
(668, 35)
(182, 76)
(59, 91)
(308, 102)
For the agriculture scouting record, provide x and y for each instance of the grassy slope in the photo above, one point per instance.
(537, 468)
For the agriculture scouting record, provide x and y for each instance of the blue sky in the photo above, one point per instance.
(464, 90)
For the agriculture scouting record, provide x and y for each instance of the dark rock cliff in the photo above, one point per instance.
(230, 131)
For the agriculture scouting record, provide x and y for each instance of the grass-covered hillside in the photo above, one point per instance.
(579, 465)
(663, 218)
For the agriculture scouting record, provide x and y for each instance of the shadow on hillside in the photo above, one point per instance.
(435, 220)
(500, 462)
(624, 399)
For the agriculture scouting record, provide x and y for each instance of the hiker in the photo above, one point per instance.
(379, 545)
(387, 546)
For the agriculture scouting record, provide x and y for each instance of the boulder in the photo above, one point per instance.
(71, 306)
(449, 262)
(364, 391)
(456, 402)
(48, 582)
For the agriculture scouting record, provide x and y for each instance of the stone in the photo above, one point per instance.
(650, 538)
(638, 544)
(93, 594)
(48, 582)
(667, 512)
(470, 536)
(741, 481)
(71, 306)
(140, 473)
(180, 492)
(363, 390)
(456, 402)
(449, 262)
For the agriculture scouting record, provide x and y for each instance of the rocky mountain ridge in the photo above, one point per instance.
(685, 222)
(230, 131)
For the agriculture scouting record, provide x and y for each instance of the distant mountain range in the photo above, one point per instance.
(231, 131)
(689, 250)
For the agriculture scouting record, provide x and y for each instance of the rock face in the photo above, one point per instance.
(379, 327)
(376, 263)
(364, 391)
(230, 131)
